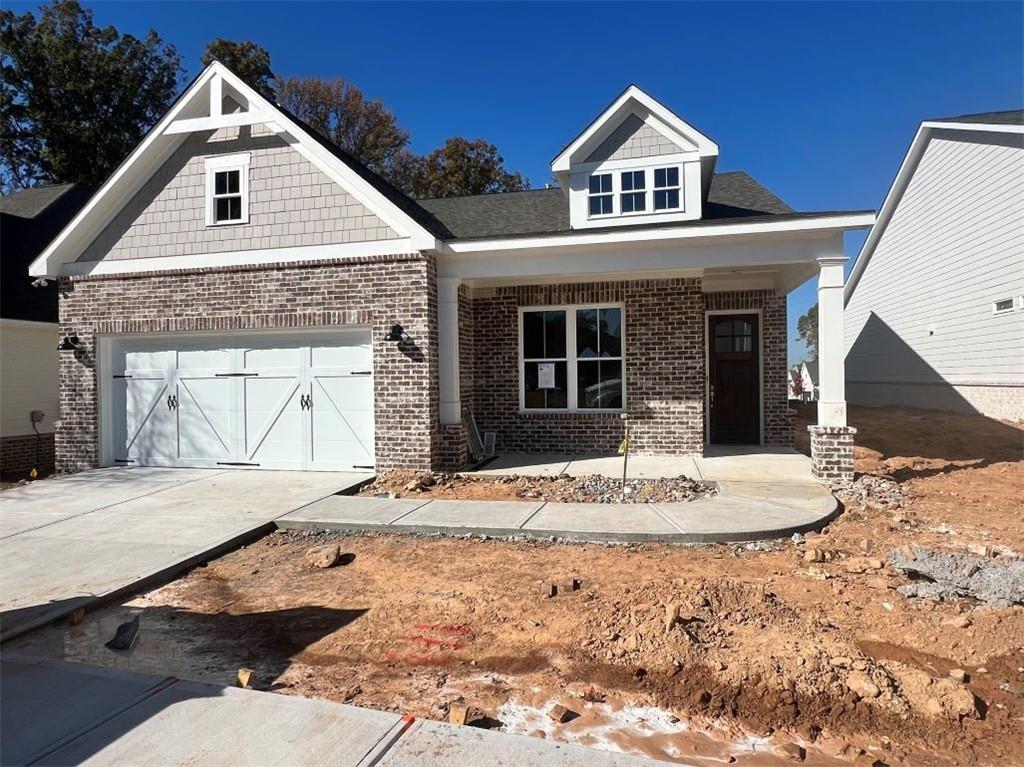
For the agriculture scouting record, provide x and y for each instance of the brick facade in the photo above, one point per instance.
(18, 455)
(664, 324)
(832, 453)
(375, 291)
(778, 420)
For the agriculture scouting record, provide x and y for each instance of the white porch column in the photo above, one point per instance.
(831, 359)
(448, 348)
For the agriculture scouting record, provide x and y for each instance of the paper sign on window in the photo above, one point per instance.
(545, 375)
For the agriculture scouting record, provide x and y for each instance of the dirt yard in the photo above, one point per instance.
(758, 654)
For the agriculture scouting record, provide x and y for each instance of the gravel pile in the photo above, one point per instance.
(872, 490)
(592, 488)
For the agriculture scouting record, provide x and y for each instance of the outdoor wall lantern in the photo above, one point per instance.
(397, 333)
(69, 343)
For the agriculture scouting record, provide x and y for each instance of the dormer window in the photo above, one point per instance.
(600, 197)
(227, 190)
(666, 188)
(634, 195)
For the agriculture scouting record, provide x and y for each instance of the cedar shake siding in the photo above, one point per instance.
(291, 204)
(375, 292)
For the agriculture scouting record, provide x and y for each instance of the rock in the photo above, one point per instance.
(671, 616)
(841, 662)
(958, 675)
(125, 635)
(875, 564)
(471, 716)
(245, 677)
(561, 714)
(979, 549)
(813, 555)
(323, 556)
(550, 590)
(958, 622)
(793, 751)
(861, 684)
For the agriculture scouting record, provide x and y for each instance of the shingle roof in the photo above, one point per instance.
(1009, 117)
(29, 203)
(733, 195)
(28, 221)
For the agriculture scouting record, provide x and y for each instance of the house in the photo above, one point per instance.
(29, 219)
(803, 381)
(242, 293)
(935, 302)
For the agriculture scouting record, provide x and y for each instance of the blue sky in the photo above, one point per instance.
(818, 101)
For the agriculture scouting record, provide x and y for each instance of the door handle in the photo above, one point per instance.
(306, 401)
(172, 401)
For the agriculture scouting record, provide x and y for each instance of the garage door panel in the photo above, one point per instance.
(280, 358)
(342, 420)
(353, 356)
(150, 423)
(205, 408)
(273, 415)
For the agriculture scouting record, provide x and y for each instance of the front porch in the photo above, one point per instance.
(688, 359)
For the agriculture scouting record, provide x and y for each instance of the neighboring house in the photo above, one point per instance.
(28, 327)
(806, 373)
(243, 293)
(935, 303)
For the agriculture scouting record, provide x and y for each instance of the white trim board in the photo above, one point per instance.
(241, 258)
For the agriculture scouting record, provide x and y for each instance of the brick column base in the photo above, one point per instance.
(454, 452)
(832, 453)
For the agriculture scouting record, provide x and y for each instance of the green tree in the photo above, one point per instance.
(463, 167)
(248, 60)
(76, 98)
(338, 110)
(807, 331)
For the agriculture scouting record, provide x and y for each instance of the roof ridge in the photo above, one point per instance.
(489, 194)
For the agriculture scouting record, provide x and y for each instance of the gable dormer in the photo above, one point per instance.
(637, 163)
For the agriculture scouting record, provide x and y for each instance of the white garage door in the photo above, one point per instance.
(270, 402)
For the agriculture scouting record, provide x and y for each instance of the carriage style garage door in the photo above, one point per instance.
(271, 401)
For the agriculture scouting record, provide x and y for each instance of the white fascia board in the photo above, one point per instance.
(234, 120)
(704, 144)
(614, 261)
(241, 258)
(981, 127)
(838, 222)
(157, 146)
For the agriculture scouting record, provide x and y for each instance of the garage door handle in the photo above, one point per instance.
(172, 401)
(306, 401)
(234, 375)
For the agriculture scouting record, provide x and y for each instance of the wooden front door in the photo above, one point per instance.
(734, 378)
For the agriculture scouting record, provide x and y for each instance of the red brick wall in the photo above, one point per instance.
(778, 421)
(664, 347)
(18, 455)
(376, 291)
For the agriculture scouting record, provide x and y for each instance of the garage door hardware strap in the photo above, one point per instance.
(235, 463)
(234, 375)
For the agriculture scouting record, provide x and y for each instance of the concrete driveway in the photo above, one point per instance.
(69, 541)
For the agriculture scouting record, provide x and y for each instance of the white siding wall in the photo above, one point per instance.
(28, 375)
(922, 311)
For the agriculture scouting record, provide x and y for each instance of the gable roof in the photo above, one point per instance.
(1008, 122)
(29, 203)
(734, 195)
(187, 115)
(628, 102)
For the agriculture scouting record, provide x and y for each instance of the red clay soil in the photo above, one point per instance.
(826, 655)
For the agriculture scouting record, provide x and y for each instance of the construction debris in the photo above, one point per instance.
(125, 636)
(245, 677)
(872, 491)
(561, 714)
(945, 575)
(592, 488)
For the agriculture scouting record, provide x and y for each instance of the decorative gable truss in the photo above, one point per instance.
(226, 178)
(638, 162)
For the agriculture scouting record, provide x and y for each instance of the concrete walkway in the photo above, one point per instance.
(762, 493)
(57, 713)
(68, 542)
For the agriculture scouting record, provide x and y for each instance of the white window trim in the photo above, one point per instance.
(220, 163)
(1011, 308)
(610, 193)
(648, 191)
(570, 359)
(677, 188)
